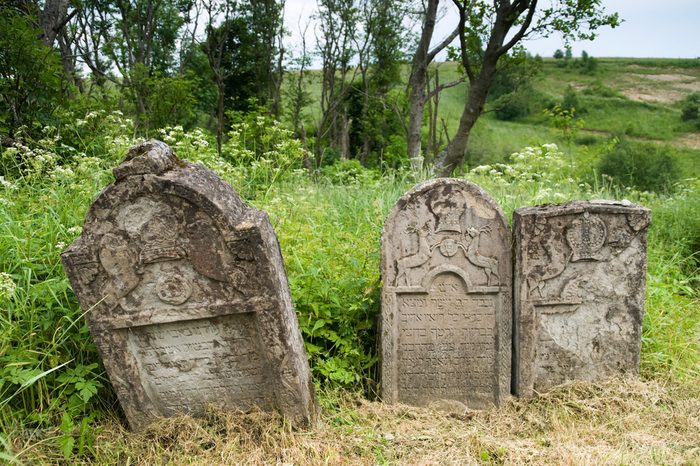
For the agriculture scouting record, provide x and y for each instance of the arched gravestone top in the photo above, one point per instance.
(446, 297)
(186, 294)
(580, 275)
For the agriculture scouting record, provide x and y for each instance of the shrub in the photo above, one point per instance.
(642, 166)
(570, 100)
(600, 90)
(690, 109)
(513, 106)
(348, 172)
(30, 75)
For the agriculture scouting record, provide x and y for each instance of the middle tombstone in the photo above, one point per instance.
(446, 316)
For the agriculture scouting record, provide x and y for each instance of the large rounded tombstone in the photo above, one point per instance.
(446, 297)
(186, 295)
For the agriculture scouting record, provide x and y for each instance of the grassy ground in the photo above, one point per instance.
(57, 406)
(613, 422)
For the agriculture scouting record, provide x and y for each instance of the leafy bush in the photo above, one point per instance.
(511, 94)
(589, 65)
(30, 75)
(645, 167)
(49, 367)
(600, 90)
(570, 100)
(329, 236)
(514, 106)
(348, 172)
(690, 109)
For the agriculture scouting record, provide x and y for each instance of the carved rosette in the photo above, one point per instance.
(188, 299)
(446, 297)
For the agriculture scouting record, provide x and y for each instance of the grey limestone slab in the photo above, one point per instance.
(580, 275)
(186, 295)
(446, 313)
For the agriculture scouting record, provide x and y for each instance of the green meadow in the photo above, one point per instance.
(626, 140)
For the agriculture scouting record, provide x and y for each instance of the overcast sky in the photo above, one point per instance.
(651, 28)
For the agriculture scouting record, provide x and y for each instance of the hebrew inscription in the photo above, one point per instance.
(447, 343)
(580, 275)
(189, 301)
(446, 320)
(220, 353)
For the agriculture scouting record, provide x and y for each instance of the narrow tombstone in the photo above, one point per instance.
(446, 298)
(579, 292)
(186, 295)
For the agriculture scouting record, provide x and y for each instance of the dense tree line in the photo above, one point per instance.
(206, 62)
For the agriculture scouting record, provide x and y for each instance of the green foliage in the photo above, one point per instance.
(348, 172)
(49, 366)
(138, 32)
(565, 120)
(558, 54)
(511, 93)
(329, 232)
(376, 125)
(516, 70)
(597, 88)
(30, 75)
(643, 166)
(329, 235)
(589, 65)
(690, 109)
(514, 106)
(170, 101)
(262, 150)
(636, 119)
(241, 51)
(570, 100)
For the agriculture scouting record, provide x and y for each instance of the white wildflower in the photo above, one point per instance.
(7, 285)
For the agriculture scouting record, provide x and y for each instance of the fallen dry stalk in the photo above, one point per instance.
(627, 421)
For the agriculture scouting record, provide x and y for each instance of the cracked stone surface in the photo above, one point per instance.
(446, 298)
(186, 295)
(580, 272)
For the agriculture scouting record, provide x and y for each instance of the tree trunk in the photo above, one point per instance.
(453, 155)
(53, 18)
(345, 138)
(417, 83)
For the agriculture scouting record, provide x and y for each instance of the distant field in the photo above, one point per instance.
(638, 98)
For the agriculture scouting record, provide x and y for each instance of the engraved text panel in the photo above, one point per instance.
(446, 344)
(199, 362)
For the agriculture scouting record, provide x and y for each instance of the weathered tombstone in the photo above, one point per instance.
(186, 295)
(579, 292)
(446, 298)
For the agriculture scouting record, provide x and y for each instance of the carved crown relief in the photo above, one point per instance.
(164, 253)
(561, 246)
(586, 237)
(444, 229)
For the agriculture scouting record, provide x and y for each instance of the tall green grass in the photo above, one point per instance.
(329, 225)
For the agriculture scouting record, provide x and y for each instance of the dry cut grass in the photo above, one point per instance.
(614, 422)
